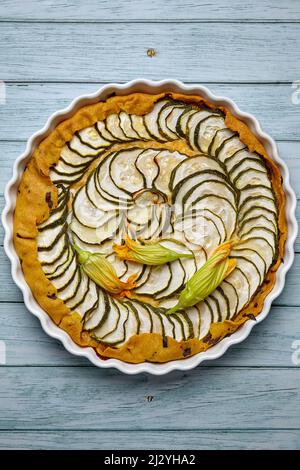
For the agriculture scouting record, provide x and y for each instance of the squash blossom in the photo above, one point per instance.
(152, 254)
(102, 272)
(207, 278)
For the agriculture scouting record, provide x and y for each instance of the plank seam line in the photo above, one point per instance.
(151, 21)
(115, 430)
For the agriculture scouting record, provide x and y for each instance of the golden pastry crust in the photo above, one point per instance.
(37, 192)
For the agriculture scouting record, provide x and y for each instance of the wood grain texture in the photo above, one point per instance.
(108, 52)
(179, 439)
(278, 115)
(120, 10)
(269, 345)
(97, 399)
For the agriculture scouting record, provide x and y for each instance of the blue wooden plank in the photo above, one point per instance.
(118, 10)
(165, 440)
(269, 345)
(189, 51)
(35, 102)
(65, 398)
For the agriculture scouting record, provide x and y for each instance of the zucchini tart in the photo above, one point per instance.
(149, 227)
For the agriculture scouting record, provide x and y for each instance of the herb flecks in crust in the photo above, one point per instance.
(49, 200)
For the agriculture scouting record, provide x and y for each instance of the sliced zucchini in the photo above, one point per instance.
(214, 308)
(98, 315)
(145, 317)
(229, 153)
(118, 333)
(190, 267)
(249, 268)
(239, 155)
(147, 165)
(194, 315)
(89, 300)
(194, 186)
(228, 146)
(177, 280)
(73, 159)
(46, 239)
(51, 256)
(253, 255)
(193, 125)
(251, 164)
(96, 236)
(50, 269)
(261, 246)
(66, 180)
(182, 123)
(104, 133)
(159, 279)
(57, 218)
(261, 232)
(109, 323)
(69, 289)
(156, 319)
(192, 165)
(256, 218)
(252, 177)
(120, 266)
(172, 118)
(207, 130)
(124, 172)
(106, 184)
(144, 276)
(81, 293)
(61, 270)
(96, 198)
(113, 126)
(127, 127)
(91, 136)
(151, 121)
(203, 231)
(206, 319)
(255, 191)
(83, 150)
(252, 202)
(139, 127)
(230, 292)
(223, 303)
(66, 276)
(220, 141)
(166, 111)
(133, 268)
(87, 214)
(166, 162)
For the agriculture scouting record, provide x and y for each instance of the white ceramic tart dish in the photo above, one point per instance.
(153, 222)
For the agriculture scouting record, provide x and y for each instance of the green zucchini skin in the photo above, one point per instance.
(224, 190)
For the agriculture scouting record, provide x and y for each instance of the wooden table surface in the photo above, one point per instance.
(52, 51)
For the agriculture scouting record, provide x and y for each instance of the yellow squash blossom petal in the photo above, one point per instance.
(152, 254)
(207, 278)
(102, 272)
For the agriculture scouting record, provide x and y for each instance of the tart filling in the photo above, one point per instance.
(139, 193)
